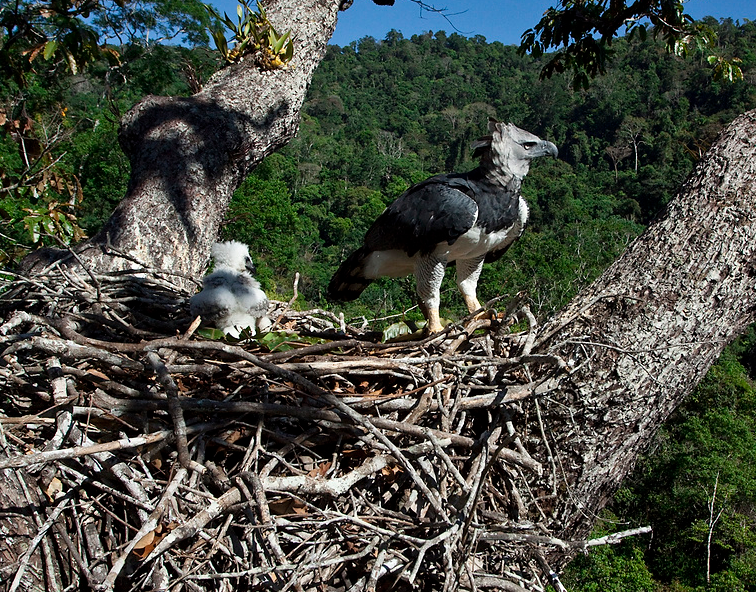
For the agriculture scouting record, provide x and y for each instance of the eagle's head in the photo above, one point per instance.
(510, 149)
(232, 255)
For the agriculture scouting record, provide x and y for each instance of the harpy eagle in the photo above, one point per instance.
(466, 218)
(231, 299)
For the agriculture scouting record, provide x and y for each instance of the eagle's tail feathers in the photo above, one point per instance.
(349, 281)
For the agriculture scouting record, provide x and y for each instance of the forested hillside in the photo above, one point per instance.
(384, 114)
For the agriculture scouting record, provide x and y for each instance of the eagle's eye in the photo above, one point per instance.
(529, 145)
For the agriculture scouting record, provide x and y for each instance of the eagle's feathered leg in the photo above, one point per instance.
(468, 272)
(429, 273)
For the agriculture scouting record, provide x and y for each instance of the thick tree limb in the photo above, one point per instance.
(643, 334)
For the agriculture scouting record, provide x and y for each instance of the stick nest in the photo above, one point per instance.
(144, 457)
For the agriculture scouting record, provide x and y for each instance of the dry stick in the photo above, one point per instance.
(65, 453)
(74, 551)
(356, 417)
(82, 479)
(251, 533)
(264, 511)
(532, 329)
(70, 349)
(289, 304)
(150, 525)
(332, 487)
(273, 462)
(498, 582)
(446, 459)
(371, 427)
(19, 317)
(320, 348)
(552, 575)
(427, 545)
(177, 414)
(516, 394)
(548, 447)
(85, 267)
(609, 539)
(24, 560)
(289, 566)
(214, 509)
(77, 451)
(372, 580)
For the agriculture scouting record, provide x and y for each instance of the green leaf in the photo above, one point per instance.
(210, 333)
(212, 11)
(49, 225)
(220, 43)
(50, 48)
(31, 223)
(280, 43)
(289, 53)
(285, 341)
(67, 229)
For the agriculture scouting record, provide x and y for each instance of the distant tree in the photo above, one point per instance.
(583, 32)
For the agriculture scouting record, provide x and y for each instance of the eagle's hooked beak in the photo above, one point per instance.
(543, 148)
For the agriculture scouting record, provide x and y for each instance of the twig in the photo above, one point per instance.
(24, 559)
(147, 527)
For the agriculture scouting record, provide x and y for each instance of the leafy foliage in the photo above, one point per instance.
(253, 34)
(585, 29)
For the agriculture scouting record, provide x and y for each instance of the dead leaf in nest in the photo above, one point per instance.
(233, 436)
(288, 506)
(148, 542)
(98, 374)
(54, 489)
(391, 472)
(320, 470)
(145, 545)
(351, 547)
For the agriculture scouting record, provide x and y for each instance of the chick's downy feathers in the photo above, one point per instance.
(231, 299)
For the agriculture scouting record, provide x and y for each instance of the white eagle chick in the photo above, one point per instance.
(231, 299)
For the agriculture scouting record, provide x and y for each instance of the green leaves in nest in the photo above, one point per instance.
(272, 340)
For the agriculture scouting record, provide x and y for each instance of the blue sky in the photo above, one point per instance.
(496, 20)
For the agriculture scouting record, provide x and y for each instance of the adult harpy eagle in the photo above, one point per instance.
(231, 299)
(467, 218)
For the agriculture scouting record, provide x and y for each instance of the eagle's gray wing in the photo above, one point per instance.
(438, 210)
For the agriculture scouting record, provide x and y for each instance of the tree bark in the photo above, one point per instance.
(642, 336)
(188, 155)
